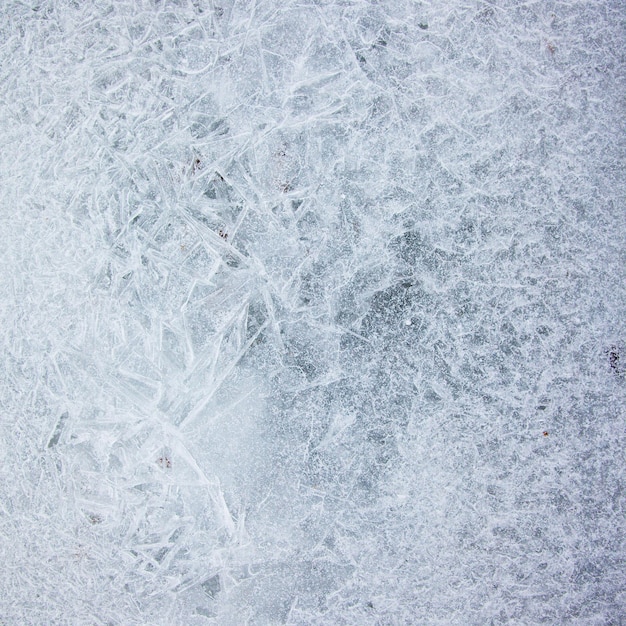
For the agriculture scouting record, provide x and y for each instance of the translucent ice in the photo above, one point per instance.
(312, 312)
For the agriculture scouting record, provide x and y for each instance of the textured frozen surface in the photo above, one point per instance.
(290, 292)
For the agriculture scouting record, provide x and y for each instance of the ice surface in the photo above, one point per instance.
(312, 312)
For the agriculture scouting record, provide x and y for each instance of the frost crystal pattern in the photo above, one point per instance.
(313, 312)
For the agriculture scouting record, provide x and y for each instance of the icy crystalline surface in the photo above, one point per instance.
(312, 312)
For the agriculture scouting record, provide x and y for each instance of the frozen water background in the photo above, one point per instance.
(290, 293)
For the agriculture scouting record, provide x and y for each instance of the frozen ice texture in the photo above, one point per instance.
(312, 312)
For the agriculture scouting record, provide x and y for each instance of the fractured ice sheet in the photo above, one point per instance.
(313, 312)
